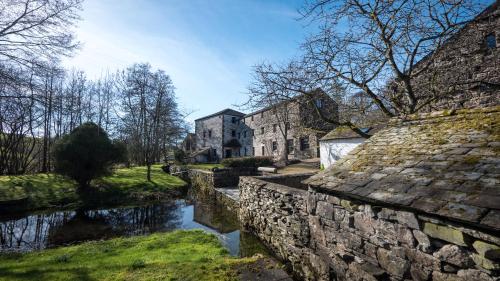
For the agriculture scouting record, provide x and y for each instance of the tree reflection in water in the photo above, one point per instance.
(39, 231)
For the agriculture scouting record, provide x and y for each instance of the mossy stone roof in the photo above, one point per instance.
(445, 163)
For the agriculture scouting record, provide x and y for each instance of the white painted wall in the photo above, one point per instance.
(332, 150)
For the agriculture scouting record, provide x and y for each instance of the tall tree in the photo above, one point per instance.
(149, 112)
(373, 47)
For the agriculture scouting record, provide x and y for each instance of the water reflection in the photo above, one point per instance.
(38, 231)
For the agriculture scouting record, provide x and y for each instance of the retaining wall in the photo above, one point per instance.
(325, 236)
(208, 180)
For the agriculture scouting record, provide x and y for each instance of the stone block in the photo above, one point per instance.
(462, 211)
(392, 262)
(324, 210)
(357, 272)
(492, 219)
(407, 218)
(454, 255)
(317, 233)
(487, 250)
(424, 244)
(474, 274)
(333, 200)
(404, 235)
(349, 205)
(364, 223)
(311, 203)
(439, 276)
(387, 214)
(485, 263)
(445, 233)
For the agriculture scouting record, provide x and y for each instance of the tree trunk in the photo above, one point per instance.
(149, 171)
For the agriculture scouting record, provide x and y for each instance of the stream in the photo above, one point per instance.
(56, 228)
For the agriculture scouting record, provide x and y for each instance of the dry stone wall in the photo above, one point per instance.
(326, 237)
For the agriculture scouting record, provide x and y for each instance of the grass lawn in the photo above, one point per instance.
(178, 255)
(50, 190)
(204, 166)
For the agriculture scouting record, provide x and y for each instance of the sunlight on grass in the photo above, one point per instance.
(49, 190)
(178, 255)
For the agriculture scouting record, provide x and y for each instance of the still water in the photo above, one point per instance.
(46, 230)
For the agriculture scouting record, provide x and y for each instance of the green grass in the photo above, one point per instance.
(178, 255)
(204, 166)
(50, 190)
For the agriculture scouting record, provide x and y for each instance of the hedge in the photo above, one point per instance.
(260, 161)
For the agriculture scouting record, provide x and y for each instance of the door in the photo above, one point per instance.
(229, 153)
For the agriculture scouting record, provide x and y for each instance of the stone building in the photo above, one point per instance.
(216, 135)
(465, 71)
(291, 127)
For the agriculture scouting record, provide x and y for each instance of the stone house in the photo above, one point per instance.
(229, 133)
(291, 127)
(465, 71)
(216, 135)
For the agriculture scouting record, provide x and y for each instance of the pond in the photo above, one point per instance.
(52, 229)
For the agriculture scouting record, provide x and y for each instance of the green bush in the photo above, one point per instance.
(86, 153)
(260, 161)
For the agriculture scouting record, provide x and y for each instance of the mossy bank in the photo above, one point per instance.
(178, 255)
(49, 191)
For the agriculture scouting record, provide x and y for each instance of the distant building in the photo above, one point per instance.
(261, 133)
(216, 135)
(229, 133)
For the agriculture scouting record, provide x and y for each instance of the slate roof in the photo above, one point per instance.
(227, 111)
(442, 163)
(344, 132)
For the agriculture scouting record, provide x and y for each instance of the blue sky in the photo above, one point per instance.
(207, 47)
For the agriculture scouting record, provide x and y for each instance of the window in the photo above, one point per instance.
(244, 134)
(239, 135)
(253, 151)
(287, 126)
(262, 130)
(209, 133)
(275, 128)
(262, 114)
(245, 152)
(304, 143)
(289, 144)
(233, 133)
(275, 145)
(253, 132)
(319, 103)
(491, 41)
(233, 120)
(263, 151)
(204, 134)
(252, 117)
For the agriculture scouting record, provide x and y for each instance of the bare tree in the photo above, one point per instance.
(36, 31)
(149, 113)
(368, 43)
(371, 51)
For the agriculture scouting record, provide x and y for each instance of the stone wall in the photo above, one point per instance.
(323, 236)
(277, 215)
(205, 179)
(465, 65)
